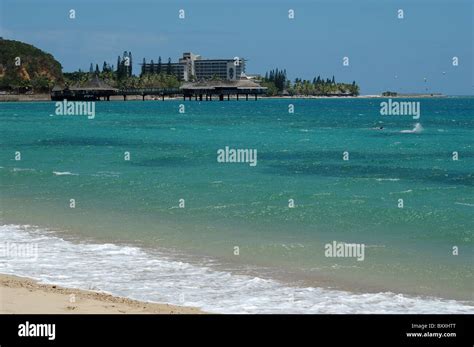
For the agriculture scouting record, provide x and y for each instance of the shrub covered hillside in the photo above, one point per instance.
(24, 67)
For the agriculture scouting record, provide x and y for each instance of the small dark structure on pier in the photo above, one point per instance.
(94, 89)
(221, 89)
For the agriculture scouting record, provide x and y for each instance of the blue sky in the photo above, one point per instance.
(386, 53)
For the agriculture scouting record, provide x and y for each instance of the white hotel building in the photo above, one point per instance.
(201, 69)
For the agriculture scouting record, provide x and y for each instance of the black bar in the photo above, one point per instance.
(314, 330)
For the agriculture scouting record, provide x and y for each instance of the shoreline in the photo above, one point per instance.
(47, 97)
(23, 295)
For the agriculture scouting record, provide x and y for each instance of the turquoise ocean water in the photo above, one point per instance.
(127, 234)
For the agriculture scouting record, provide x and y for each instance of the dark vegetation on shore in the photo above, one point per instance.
(278, 84)
(25, 68)
(122, 76)
(39, 72)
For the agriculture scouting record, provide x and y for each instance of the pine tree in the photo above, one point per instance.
(159, 65)
(143, 66)
(125, 61)
(119, 68)
(130, 65)
(168, 67)
(91, 69)
(278, 78)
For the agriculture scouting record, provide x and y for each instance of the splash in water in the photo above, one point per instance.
(417, 129)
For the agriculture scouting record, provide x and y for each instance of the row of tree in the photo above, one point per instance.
(124, 69)
(145, 81)
(105, 67)
(157, 68)
(323, 87)
(152, 75)
(278, 78)
(278, 84)
(162, 80)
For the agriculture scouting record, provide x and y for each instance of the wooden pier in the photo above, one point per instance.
(200, 91)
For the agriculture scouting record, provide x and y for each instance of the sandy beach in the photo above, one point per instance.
(20, 295)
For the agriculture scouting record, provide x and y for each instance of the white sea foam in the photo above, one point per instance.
(378, 179)
(464, 204)
(402, 192)
(153, 276)
(64, 173)
(416, 130)
(19, 169)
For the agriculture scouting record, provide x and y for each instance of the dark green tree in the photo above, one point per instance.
(152, 67)
(119, 68)
(278, 78)
(168, 67)
(143, 67)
